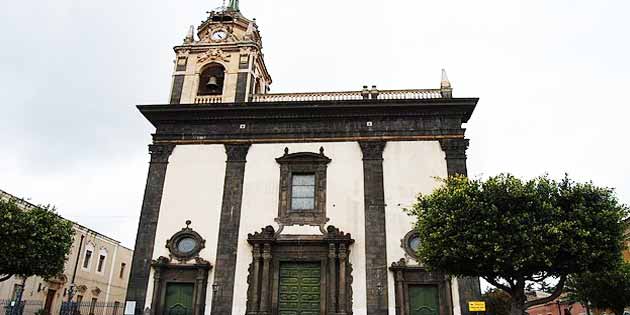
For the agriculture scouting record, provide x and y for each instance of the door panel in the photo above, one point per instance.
(178, 300)
(299, 287)
(423, 300)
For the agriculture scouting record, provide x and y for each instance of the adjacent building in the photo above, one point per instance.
(99, 265)
(289, 203)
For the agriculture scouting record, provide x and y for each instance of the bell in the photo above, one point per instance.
(212, 83)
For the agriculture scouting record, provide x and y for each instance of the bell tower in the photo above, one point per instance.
(223, 63)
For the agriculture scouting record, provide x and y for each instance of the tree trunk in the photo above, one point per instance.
(517, 305)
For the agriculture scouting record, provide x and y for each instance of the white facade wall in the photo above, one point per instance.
(194, 187)
(409, 168)
(193, 190)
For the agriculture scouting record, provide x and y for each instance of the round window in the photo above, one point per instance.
(411, 244)
(414, 243)
(186, 245)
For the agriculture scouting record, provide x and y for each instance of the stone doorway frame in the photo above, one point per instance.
(269, 249)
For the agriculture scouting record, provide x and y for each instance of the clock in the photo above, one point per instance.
(219, 35)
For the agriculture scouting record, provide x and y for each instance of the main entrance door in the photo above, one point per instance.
(299, 286)
(179, 299)
(423, 300)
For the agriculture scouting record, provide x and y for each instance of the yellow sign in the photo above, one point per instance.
(476, 306)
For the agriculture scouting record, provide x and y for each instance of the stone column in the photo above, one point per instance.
(145, 239)
(200, 292)
(157, 288)
(332, 282)
(400, 294)
(225, 266)
(343, 255)
(265, 304)
(254, 303)
(375, 237)
(469, 289)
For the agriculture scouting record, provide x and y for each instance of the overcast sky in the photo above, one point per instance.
(552, 78)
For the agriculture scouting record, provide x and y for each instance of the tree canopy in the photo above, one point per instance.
(33, 241)
(609, 289)
(513, 232)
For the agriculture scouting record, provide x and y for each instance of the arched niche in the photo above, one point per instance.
(211, 79)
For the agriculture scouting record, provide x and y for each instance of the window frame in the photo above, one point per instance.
(87, 261)
(121, 274)
(299, 164)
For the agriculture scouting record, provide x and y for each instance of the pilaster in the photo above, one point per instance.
(145, 239)
(455, 149)
(225, 267)
(375, 234)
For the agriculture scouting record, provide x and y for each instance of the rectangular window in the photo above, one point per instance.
(86, 260)
(101, 262)
(79, 299)
(16, 290)
(116, 306)
(122, 270)
(303, 192)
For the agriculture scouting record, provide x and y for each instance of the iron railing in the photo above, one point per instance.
(28, 307)
(91, 308)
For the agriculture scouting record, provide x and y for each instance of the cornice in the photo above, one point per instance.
(362, 120)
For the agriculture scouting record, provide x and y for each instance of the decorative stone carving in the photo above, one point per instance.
(406, 276)
(269, 250)
(186, 244)
(213, 54)
(160, 152)
(372, 150)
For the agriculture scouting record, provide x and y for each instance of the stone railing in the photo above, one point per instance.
(350, 95)
(209, 99)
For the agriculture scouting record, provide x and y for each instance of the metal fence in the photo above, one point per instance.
(28, 307)
(91, 308)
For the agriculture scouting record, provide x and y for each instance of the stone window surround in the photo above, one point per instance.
(302, 163)
(89, 247)
(186, 232)
(405, 244)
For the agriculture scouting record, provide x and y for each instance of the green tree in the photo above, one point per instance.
(608, 289)
(512, 232)
(497, 302)
(32, 241)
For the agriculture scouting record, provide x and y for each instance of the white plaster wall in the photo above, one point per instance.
(193, 190)
(409, 168)
(344, 201)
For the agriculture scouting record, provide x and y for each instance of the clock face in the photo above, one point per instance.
(219, 35)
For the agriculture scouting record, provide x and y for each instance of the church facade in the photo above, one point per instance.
(261, 203)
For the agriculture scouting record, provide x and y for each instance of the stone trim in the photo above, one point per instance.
(375, 234)
(404, 243)
(318, 121)
(302, 162)
(178, 87)
(147, 226)
(167, 272)
(330, 250)
(186, 232)
(455, 150)
(405, 275)
(225, 268)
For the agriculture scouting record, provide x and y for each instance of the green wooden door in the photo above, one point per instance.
(178, 300)
(299, 289)
(423, 300)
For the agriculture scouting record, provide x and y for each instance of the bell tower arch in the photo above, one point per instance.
(221, 61)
